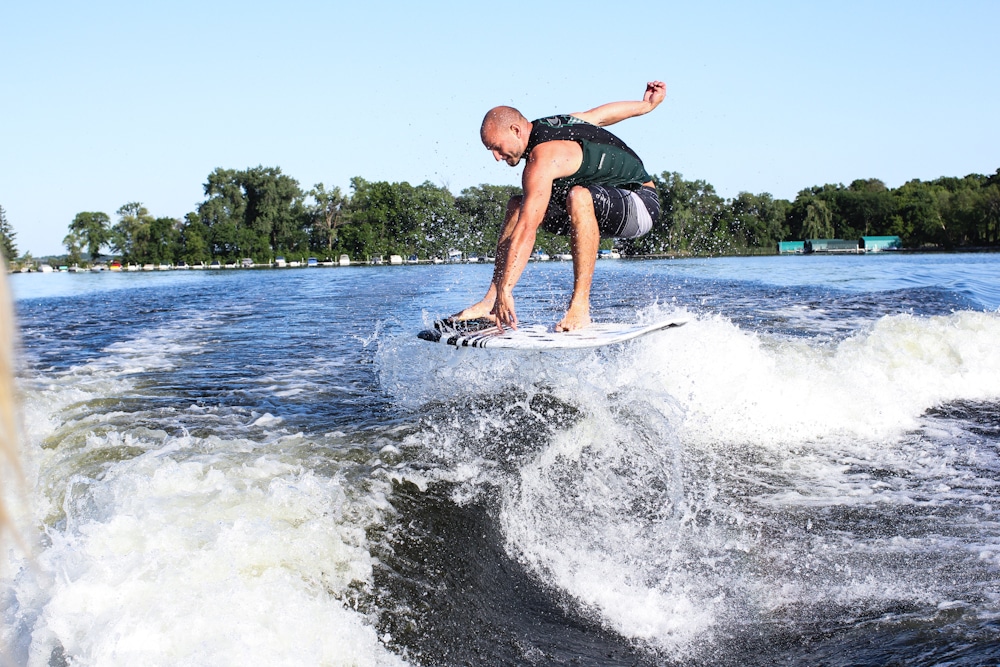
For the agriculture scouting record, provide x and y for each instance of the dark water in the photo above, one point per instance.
(267, 467)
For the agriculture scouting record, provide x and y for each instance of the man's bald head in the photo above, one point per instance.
(505, 132)
(501, 118)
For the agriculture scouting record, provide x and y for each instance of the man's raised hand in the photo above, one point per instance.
(656, 91)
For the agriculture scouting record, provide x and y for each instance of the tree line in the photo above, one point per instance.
(261, 213)
(944, 213)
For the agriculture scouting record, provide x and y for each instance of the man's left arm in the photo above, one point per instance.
(537, 184)
(613, 112)
(549, 161)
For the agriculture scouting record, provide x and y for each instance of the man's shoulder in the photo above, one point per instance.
(558, 129)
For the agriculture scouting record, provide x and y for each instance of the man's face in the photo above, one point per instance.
(505, 144)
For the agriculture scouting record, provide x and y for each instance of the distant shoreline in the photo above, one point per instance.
(752, 252)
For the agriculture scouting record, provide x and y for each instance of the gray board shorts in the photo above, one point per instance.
(621, 213)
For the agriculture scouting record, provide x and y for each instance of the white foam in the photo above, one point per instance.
(162, 550)
(267, 419)
(739, 386)
(636, 512)
(205, 560)
(567, 520)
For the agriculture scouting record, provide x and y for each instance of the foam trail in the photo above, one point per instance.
(166, 549)
(202, 562)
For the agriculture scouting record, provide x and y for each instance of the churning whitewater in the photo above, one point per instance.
(268, 467)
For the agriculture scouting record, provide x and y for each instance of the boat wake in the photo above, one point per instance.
(713, 485)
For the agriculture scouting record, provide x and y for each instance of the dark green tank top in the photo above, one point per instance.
(606, 158)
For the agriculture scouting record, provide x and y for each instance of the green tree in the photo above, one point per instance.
(224, 241)
(811, 215)
(7, 234)
(864, 208)
(437, 224)
(989, 205)
(327, 214)
(383, 218)
(757, 221)
(162, 240)
(962, 211)
(818, 223)
(917, 219)
(253, 213)
(75, 243)
(93, 228)
(222, 213)
(130, 237)
(275, 211)
(194, 240)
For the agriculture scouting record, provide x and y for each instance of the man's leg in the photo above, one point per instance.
(485, 307)
(586, 239)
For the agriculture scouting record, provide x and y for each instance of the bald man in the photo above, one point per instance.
(578, 179)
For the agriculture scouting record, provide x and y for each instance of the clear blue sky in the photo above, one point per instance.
(105, 103)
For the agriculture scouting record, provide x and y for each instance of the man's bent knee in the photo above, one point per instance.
(579, 195)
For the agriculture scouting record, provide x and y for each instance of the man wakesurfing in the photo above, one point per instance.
(578, 178)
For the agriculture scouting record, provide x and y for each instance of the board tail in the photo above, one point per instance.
(449, 327)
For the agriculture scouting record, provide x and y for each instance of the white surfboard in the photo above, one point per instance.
(538, 336)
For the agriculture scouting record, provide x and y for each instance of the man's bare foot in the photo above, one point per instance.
(481, 309)
(574, 320)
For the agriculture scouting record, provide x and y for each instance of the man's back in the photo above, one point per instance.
(606, 159)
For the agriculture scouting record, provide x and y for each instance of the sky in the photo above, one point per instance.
(105, 102)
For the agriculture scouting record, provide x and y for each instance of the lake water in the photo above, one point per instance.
(268, 467)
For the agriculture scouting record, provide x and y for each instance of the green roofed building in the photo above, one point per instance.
(832, 246)
(791, 247)
(880, 243)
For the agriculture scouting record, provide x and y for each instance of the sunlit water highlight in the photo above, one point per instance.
(268, 467)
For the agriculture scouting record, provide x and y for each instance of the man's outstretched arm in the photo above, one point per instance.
(611, 113)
